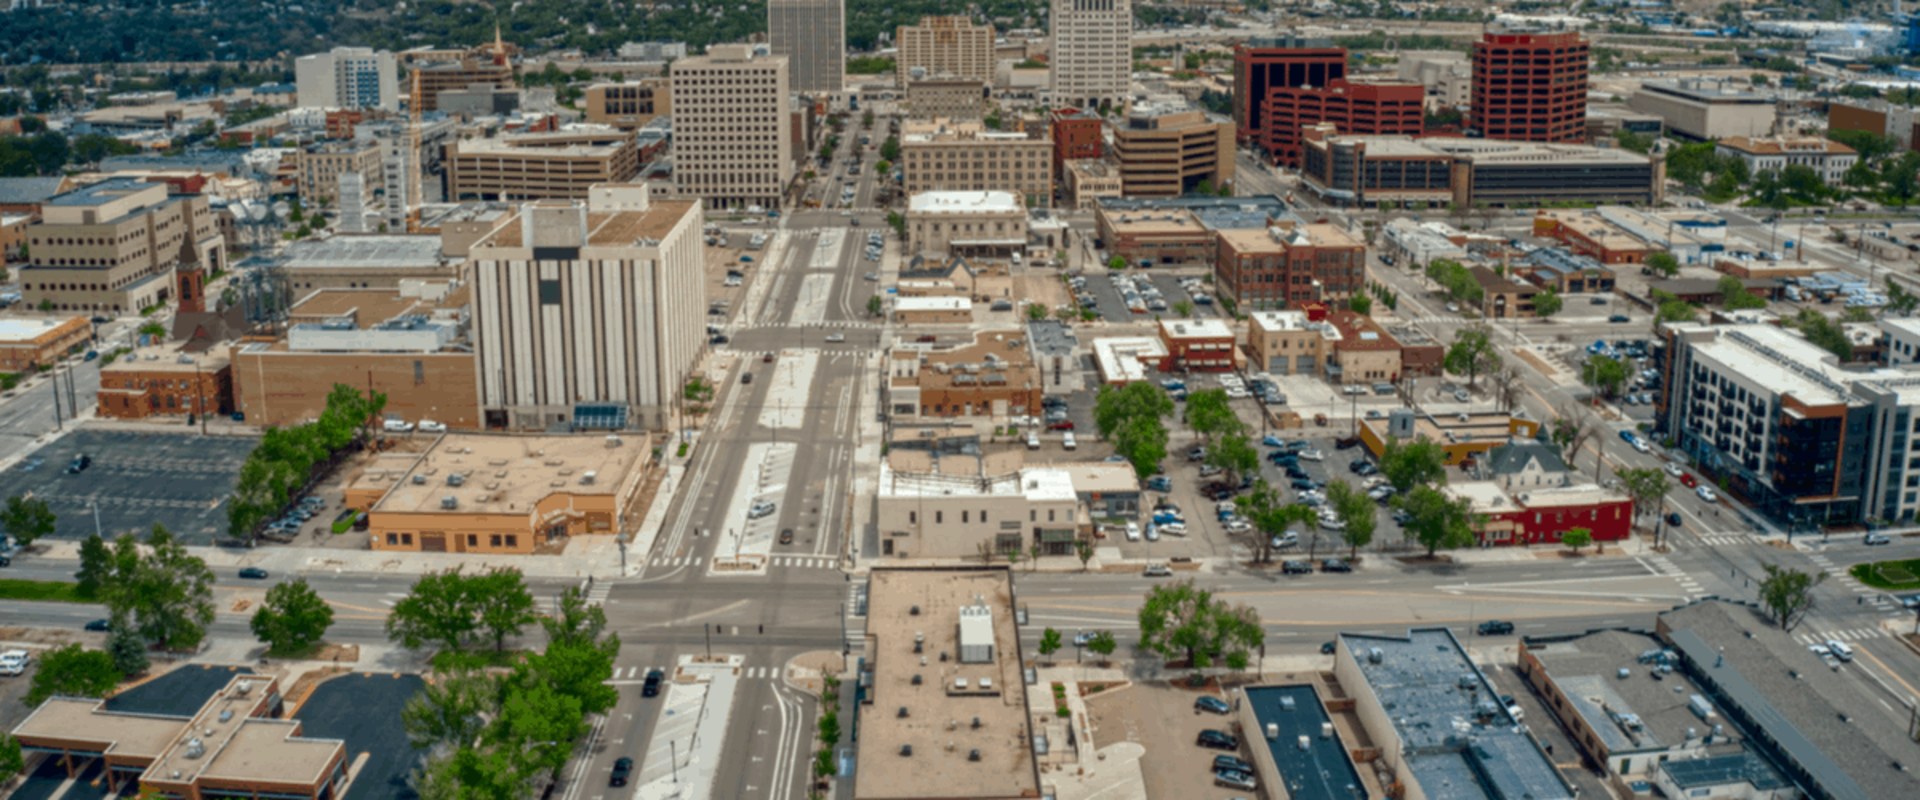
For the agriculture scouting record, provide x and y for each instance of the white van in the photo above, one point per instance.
(1033, 440)
(1066, 440)
(1840, 650)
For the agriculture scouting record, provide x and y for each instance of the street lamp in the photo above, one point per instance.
(622, 541)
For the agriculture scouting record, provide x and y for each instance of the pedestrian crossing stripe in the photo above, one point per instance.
(823, 562)
(777, 353)
(680, 561)
(624, 674)
(1847, 635)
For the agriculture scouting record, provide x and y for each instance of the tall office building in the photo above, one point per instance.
(731, 140)
(812, 35)
(347, 77)
(1092, 51)
(1283, 62)
(588, 310)
(944, 46)
(1530, 87)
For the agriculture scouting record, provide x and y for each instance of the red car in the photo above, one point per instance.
(1686, 479)
(1062, 425)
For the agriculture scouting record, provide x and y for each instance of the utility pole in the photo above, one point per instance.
(54, 384)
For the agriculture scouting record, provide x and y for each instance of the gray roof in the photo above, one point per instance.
(1217, 213)
(1511, 458)
(394, 251)
(1051, 337)
(1457, 739)
(1745, 766)
(21, 191)
(1322, 771)
(232, 162)
(1823, 729)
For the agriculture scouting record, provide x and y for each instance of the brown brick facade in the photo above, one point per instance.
(276, 387)
(133, 392)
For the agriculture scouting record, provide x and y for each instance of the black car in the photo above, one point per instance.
(1296, 567)
(786, 536)
(651, 687)
(1496, 627)
(718, 338)
(254, 574)
(1326, 648)
(1335, 565)
(1304, 485)
(1235, 763)
(1673, 518)
(1218, 740)
(79, 464)
(622, 767)
(746, 377)
(99, 625)
(1619, 318)
(1211, 704)
(6, 561)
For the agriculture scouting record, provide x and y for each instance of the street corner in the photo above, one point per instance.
(808, 672)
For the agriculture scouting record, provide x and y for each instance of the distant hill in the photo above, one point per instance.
(245, 30)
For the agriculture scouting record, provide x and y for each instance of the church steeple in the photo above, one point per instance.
(189, 280)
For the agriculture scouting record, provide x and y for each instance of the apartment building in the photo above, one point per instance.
(967, 224)
(1264, 64)
(1171, 151)
(731, 142)
(1092, 58)
(347, 77)
(1287, 268)
(1077, 134)
(958, 99)
(1530, 87)
(812, 36)
(409, 344)
(941, 155)
(584, 308)
(1371, 170)
(539, 166)
(112, 246)
(1828, 158)
(1359, 108)
(629, 105)
(950, 46)
(1703, 110)
(318, 167)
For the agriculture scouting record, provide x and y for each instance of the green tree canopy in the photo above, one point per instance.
(1547, 303)
(1786, 593)
(27, 519)
(164, 592)
(1406, 464)
(73, 671)
(292, 619)
(1472, 353)
(1663, 264)
(1437, 522)
(1186, 622)
(1209, 412)
(1604, 374)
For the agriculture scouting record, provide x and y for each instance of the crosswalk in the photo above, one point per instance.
(1867, 594)
(598, 591)
(1661, 565)
(639, 673)
(1437, 319)
(752, 354)
(676, 561)
(743, 327)
(806, 562)
(1725, 539)
(1843, 635)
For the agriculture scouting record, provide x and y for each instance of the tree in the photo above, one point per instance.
(578, 622)
(165, 594)
(1184, 620)
(1663, 264)
(435, 610)
(882, 167)
(27, 519)
(292, 619)
(1035, 311)
(128, 651)
(890, 149)
(1570, 434)
(1357, 513)
(1183, 308)
(875, 305)
(1547, 303)
(1734, 295)
(1083, 549)
(1408, 464)
(1142, 441)
(1506, 388)
(1646, 486)
(1675, 311)
(501, 603)
(1577, 538)
(1787, 593)
(1824, 332)
(1472, 352)
(1899, 300)
(12, 761)
(1235, 454)
(1269, 516)
(73, 671)
(1116, 262)
(1114, 407)
(96, 566)
(1209, 413)
(1049, 643)
(1103, 644)
(1437, 522)
(452, 710)
(1360, 304)
(1606, 375)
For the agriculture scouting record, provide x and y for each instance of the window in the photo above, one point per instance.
(494, 540)
(939, 517)
(963, 517)
(393, 538)
(473, 540)
(549, 293)
(913, 518)
(513, 540)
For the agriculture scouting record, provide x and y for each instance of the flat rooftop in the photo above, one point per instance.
(607, 228)
(1322, 771)
(994, 359)
(371, 251)
(506, 474)
(1207, 328)
(1457, 739)
(14, 330)
(957, 202)
(926, 723)
(1779, 360)
(101, 193)
(1275, 321)
(367, 307)
(1586, 669)
(171, 357)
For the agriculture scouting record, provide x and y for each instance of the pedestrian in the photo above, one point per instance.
(763, 628)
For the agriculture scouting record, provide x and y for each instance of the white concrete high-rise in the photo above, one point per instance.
(812, 34)
(1092, 51)
(347, 77)
(732, 145)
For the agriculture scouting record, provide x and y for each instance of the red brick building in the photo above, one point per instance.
(1262, 65)
(1353, 108)
(340, 122)
(1198, 344)
(1076, 135)
(1277, 268)
(166, 381)
(1530, 87)
(1544, 515)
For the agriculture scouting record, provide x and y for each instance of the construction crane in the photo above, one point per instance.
(413, 156)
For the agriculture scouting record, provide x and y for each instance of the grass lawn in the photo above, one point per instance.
(1895, 575)
(54, 591)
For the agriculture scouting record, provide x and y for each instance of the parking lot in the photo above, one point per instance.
(363, 710)
(1161, 718)
(136, 479)
(1110, 291)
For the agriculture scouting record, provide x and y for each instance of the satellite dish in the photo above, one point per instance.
(281, 210)
(256, 212)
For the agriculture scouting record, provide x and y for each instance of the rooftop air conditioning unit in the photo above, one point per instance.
(449, 502)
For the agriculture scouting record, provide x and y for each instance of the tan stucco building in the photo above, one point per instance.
(318, 168)
(29, 343)
(630, 104)
(953, 507)
(993, 376)
(112, 246)
(951, 46)
(540, 166)
(1089, 179)
(732, 143)
(947, 98)
(479, 493)
(988, 224)
(1169, 152)
(964, 156)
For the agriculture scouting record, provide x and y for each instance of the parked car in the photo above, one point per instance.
(1158, 570)
(1160, 483)
(1060, 425)
(1878, 538)
(1218, 740)
(1211, 705)
(79, 464)
(14, 662)
(397, 426)
(100, 625)
(1174, 529)
(1234, 779)
(1296, 567)
(760, 508)
(1495, 627)
(786, 536)
(253, 574)
(1235, 763)
(1706, 493)
(1687, 480)
(1673, 518)
(1335, 565)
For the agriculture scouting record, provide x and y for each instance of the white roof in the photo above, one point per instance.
(963, 202)
(1209, 328)
(1280, 320)
(16, 330)
(1042, 484)
(932, 304)
(1119, 356)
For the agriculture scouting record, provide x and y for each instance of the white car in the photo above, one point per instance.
(14, 662)
(1174, 529)
(1153, 533)
(1332, 523)
(397, 426)
(1239, 526)
(430, 426)
(836, 337)
(1312, 455)
(1066, 440)
(1706, 493)
(1238, 393)
(1133, 531)
(1641, 445)
(1673, 469)
(760, 509)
